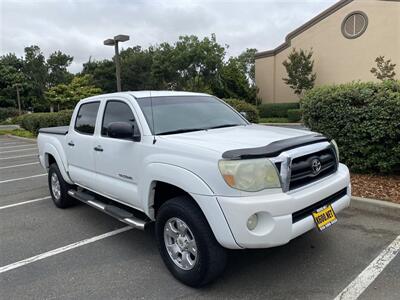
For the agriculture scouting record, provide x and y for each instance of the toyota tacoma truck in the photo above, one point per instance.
(198, 171)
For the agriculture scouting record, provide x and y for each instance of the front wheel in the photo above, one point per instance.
(59, 188)
(187, 244)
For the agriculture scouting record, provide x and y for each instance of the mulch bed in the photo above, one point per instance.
(383, 187)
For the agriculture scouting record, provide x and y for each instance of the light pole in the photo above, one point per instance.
(114, 42)
(17, 86)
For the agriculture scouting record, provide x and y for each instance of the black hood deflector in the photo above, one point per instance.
(275, 148)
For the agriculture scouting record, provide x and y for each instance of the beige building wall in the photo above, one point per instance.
(337, 59)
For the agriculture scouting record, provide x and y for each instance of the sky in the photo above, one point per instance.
(78, 27)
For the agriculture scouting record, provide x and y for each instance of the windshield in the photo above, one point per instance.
(177, 114)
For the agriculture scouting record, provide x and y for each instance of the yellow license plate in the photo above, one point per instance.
(324, 217)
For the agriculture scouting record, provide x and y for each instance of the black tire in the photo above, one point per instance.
(211, 256)
(64, 200)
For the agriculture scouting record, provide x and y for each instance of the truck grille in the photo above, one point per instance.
(312, 167)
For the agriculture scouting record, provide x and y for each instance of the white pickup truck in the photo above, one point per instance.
(198, 170)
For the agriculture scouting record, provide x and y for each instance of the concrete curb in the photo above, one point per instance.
(376, 202)
(22, 138)
(9, 127)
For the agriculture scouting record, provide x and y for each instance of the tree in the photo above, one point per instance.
(57, 65)
(10, 75)
(197, 62)
(137, 64)
(103, 74)
(35, 70)
(299, 68)
(247, 61)
(67, 95)
(385, 69)
(233, 82)
(190, 64)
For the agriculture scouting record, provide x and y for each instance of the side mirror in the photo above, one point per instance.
(244, 114)
(122, 130)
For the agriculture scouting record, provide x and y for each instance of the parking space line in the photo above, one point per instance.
(16, 146)
(32, 259)
(23, 178)
(20, 165)
(366, 277)
(25, 202)
(18, 150)
(11, 144)
(19, 156)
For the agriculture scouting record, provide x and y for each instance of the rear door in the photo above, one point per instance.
(118, 164)
(80, 145)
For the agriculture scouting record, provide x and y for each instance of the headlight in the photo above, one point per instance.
(250, 175)
(336, 148)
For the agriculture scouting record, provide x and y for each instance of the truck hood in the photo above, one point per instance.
(239, 137)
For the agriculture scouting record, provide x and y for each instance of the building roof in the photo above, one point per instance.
(303, 28)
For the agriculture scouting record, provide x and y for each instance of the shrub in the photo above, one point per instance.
(8, 112)
(242, 106)
(276, 110)
(364, 119)
(33, 122)
(294, 115)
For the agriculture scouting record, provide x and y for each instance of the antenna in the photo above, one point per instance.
(152, 118)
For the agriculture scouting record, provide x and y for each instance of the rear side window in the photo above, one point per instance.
(117, 111)
(86, 118)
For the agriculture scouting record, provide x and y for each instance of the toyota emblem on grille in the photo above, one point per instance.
(316, 166)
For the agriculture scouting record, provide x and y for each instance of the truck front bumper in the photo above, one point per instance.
(275, 212)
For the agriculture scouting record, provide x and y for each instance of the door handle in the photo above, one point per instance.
(71, 143)
(98, 148)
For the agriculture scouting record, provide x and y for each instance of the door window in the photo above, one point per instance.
(117, 111)
(86, 118)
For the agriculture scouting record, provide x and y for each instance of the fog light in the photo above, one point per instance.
(252, 222)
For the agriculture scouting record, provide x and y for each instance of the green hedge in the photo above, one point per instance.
(276, 110)
(8, 112)
(294, 115)
(33, 122)
(243, 106)
(364, 119)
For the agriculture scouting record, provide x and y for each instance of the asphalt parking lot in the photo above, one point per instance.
(359, 255)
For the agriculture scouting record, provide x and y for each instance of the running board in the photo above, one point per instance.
(114, 211)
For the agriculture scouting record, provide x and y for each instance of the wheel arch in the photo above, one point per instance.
(160, 177)
(52, 155)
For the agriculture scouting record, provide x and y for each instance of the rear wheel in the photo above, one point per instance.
(59, 188)
(187, 244)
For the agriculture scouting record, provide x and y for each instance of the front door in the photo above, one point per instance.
(80, 145)
(118, 164)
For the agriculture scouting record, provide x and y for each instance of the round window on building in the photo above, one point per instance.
(354, 24)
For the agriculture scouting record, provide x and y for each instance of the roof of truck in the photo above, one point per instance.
(147, 94)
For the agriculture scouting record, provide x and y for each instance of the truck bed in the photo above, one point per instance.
(60, 130)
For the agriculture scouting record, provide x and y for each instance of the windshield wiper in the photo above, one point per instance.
(196, 129)
(181, 131)
(224, 125)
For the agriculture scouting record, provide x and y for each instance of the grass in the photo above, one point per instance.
(274, 120)
(18, 132)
